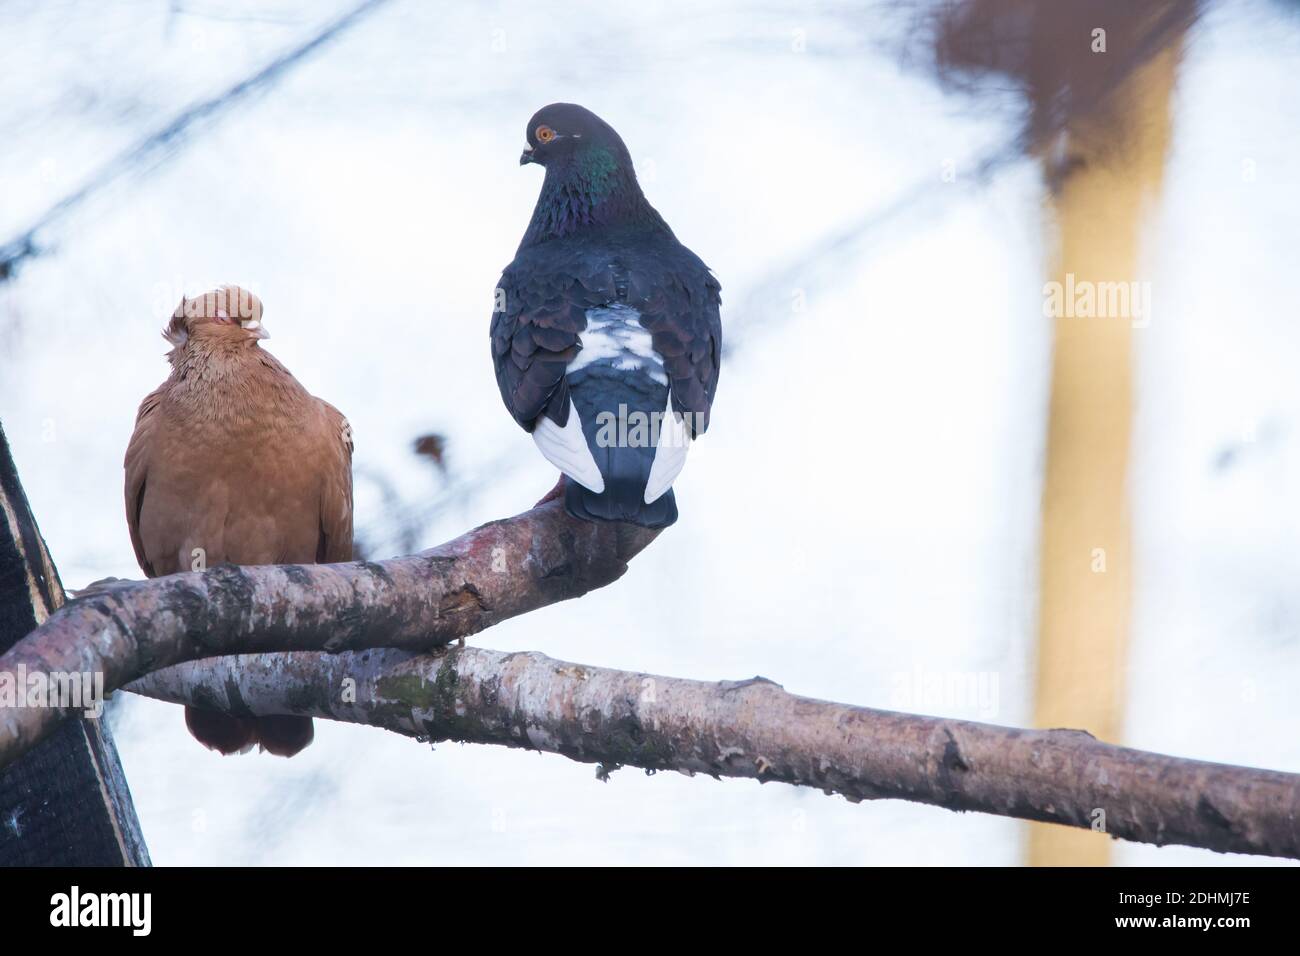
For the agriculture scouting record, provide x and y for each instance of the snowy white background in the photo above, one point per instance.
(863, 513)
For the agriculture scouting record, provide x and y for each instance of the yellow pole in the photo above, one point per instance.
(1086, 576)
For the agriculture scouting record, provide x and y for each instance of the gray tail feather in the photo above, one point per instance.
(625, 475)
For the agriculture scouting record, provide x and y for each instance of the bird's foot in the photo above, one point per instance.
(554, 493)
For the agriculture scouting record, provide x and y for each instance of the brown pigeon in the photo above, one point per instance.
(233, 461)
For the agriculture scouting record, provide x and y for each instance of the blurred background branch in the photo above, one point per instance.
(151, 149)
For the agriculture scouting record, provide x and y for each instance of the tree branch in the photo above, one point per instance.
(505, 568)
(755, 729)
(124, 629)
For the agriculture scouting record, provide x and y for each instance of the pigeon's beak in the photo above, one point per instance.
(255, 326)
(527, 157)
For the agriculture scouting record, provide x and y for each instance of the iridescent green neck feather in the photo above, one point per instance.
(594, 191)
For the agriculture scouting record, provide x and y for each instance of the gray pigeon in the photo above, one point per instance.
(606, 335)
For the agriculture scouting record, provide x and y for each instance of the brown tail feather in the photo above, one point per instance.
(283, 736)
(221, 732)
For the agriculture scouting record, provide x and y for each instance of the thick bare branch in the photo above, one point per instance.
(755, 729)
(125, 629)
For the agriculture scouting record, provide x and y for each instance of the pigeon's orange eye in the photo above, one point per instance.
(545, 134)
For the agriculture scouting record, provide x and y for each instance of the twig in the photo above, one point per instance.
(26, 244)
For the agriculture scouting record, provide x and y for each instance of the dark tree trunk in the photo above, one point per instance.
(65, 802)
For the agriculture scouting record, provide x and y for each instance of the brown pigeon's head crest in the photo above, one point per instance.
(229, 312)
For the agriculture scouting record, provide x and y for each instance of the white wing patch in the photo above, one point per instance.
(614, 336)
(566, 449)
(670, 454)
